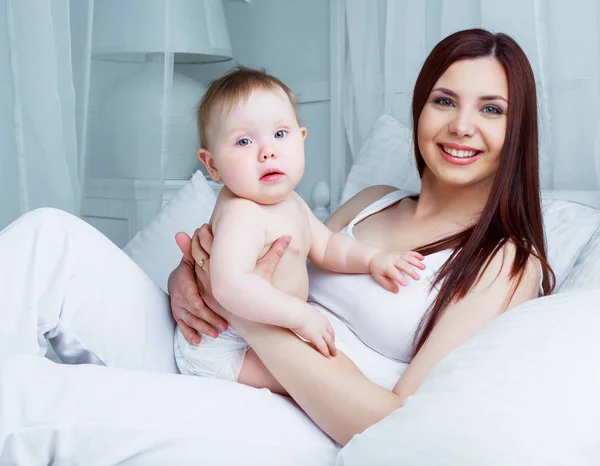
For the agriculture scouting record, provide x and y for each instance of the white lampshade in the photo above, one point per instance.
(195, 30)
(133, 110)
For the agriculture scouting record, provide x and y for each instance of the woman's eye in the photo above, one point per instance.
(243, 142)
(492, 110)
(280, 134)
(443, 101)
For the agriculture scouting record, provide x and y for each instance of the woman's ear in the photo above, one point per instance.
(209, 162)
(304, 132)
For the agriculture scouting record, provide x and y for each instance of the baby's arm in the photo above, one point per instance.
(335, 251)
(239, 230)
(342, 253)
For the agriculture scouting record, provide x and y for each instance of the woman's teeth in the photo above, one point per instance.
(462, 154)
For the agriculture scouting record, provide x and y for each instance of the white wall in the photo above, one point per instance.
(290, 39)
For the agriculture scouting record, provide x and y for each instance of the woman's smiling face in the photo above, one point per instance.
(462, 127)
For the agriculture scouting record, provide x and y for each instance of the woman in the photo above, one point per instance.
(477, 219)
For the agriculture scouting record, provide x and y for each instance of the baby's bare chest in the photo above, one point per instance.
(292, 220)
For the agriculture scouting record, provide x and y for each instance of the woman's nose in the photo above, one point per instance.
(462, 124)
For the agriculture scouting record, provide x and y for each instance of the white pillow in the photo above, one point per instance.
(523, 391)
(154, 248)
(387, 158)
(585, 275)
(569, 226)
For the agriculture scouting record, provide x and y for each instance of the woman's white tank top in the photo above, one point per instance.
(383, 321)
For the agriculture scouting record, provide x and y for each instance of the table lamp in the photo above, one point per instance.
(136, 112)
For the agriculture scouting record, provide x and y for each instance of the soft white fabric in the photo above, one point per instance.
(585, 275)
(218, 358)
(523, 391)
(385, 322)
(154, 248)
(38, 131)
(63, 280)
(386, 158)
(569, 227)
(375, 367)
(91, 415)
(560, 39)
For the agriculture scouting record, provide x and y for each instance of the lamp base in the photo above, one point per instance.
(135, 123)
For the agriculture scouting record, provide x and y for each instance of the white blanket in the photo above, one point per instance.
(523, 391)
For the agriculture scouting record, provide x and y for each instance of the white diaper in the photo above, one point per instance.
(220, 358)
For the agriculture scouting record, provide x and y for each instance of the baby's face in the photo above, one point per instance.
(258, 147)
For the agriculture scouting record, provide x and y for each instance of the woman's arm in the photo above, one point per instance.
(335, 394)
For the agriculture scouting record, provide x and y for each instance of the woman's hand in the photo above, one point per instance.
(189, 311)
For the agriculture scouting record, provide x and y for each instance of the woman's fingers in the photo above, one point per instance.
(198, 252)
(206, 315)
(206, 237)
(266, 266)
(200, 317)
(184, 242)
(201, 325)
(188, 332)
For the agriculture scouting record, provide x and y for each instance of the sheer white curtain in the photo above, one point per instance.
(388, 41)
(38, 141)
(57, 134)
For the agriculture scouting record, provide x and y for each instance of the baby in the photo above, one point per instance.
(252, 141)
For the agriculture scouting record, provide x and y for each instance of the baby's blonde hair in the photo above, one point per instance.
(233, 87)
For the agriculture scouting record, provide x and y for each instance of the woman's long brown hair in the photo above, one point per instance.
(513, 211)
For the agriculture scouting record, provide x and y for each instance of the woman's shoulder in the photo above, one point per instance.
(523, 286)
(356, 204)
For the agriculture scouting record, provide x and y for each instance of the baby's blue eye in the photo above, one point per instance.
(243, 142)
(280, 134)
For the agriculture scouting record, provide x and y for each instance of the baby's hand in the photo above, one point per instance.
(387, 268)
(319, 332)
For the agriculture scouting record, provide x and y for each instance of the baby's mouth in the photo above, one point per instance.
(272, 174)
